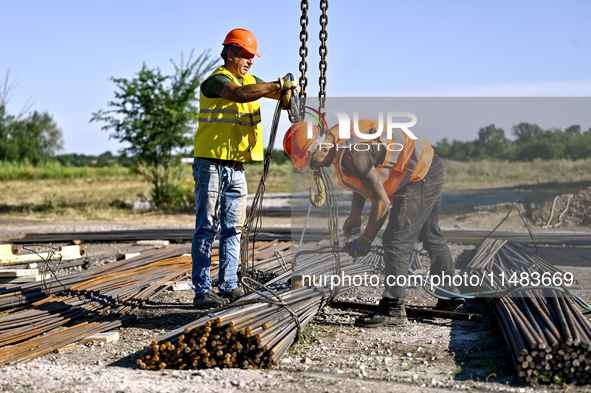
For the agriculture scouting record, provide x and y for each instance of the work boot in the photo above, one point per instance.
(390, 312)
(450, 305)
(233, 295)
(375, 320)
(209, 299)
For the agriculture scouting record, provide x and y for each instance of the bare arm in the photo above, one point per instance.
(379, 203)
(274, 95)
(357, 204)
(354, 219)
(248, 93)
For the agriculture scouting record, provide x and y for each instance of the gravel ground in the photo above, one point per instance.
(334, 356)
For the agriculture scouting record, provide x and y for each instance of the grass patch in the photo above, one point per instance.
(504, 174)
(278, 178)
(308, 335)
(55, 190)
(56, 171)
(410, 366)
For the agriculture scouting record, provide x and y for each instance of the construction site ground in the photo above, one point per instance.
(333, 355)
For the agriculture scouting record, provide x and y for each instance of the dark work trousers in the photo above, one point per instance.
(414, 216)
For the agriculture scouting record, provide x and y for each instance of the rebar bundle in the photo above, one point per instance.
(549, 337)
(259, 328)
(30, 293)
(98, 300)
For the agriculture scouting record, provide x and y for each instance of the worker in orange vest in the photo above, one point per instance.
(401, 174)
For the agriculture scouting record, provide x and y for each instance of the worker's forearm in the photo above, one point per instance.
(253, 92)
(275, 95)
(357, 204)
(377, 216)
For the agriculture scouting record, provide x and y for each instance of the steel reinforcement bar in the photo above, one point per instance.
(549, 337)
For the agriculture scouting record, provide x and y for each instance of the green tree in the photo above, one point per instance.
(443, 148)
(492, 143)
(526, 132)
(31, 138)
(34, 139)
(156, 116)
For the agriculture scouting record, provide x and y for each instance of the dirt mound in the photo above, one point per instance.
(577, 215)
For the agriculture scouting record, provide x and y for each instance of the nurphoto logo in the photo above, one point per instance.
(345, 130)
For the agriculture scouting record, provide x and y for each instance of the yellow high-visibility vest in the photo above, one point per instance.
(229, 130)
(407, 160)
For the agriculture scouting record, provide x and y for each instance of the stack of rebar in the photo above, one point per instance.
(96, 300)
(95, 305)
(33, 292)
(286, 234)
(261, 326)
(550, 338)
(252, 336)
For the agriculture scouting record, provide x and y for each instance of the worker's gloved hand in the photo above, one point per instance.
(352, 225)
(358, 247)
(289, 81)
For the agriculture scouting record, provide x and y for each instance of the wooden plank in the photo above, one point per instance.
(18, 272)
(21, 280)
(107, 337)
(411, 311)
(5, 249)
(66, 347)
(182, 286)
(67, 252)
(155, 242)
(127, 256)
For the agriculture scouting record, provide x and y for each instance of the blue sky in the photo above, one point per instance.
(61, 54)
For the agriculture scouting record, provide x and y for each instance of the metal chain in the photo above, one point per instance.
(323, 51)
(303, 52)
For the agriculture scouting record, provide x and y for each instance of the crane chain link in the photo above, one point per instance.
(303, 52)
(323, 51)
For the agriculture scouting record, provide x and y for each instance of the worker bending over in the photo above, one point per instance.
(401, 174)
(229, 135)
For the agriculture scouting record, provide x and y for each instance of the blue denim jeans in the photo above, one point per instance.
(220, 201)
(414, 216)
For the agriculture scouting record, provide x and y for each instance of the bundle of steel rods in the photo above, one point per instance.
(97, 305)
(29, 293)
(261, 326)
(549, 337)
(255, 335)
(98, 299)
(285, 234)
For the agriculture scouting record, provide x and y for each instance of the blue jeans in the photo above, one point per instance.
(220, 201)
(414, 216)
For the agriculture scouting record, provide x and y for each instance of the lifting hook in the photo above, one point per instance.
(318, 200)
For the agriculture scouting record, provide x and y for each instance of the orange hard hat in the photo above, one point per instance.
(297, 144)
(243, 38)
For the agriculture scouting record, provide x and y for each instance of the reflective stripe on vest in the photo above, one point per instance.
(236, 117)
(397, 169)
(229, 130)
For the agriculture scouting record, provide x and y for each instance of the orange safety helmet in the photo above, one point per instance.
(244, 38)
(299, 147)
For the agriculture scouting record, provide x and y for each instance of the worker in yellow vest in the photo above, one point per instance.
(229, 135)
(398, 173)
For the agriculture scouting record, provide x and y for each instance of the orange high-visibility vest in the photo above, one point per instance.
(407, 160)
